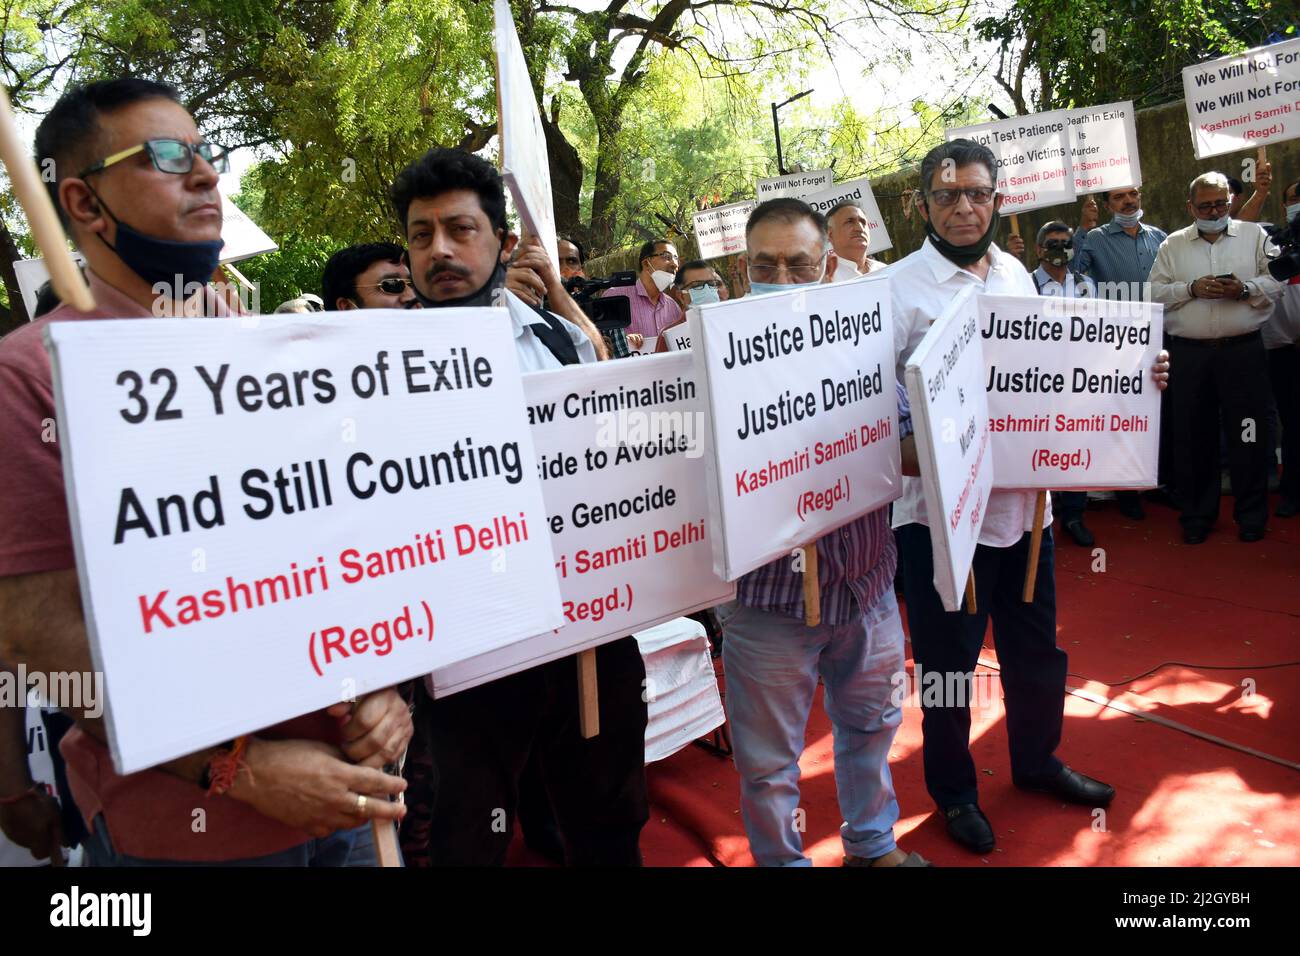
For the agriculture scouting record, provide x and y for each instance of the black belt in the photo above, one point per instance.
(1215, 343)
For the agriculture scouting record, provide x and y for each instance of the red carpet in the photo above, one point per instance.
(1182, 801)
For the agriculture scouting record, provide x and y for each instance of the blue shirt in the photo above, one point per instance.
(1118, 261)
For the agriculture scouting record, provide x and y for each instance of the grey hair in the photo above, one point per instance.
(1049, 228)
(1213, 180)
(962, 152)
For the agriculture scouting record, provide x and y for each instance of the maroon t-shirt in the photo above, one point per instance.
(149, 814)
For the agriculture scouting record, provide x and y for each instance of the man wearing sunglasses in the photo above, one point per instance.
(370, 275)
(1214, 282)
(959, 205)
(137, 190)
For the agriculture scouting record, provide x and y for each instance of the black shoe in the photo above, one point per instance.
(1081, 535)
(1251, 535)
(968, 825)
(1286, 508)
(1132, 509)
(1072, 786)
(1194, 537)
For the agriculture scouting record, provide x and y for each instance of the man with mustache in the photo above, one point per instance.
(474, 747)
(136, 187)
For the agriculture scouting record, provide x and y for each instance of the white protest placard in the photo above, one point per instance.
(649, 344)
(1104, 147)
(945, 388)
(677, 338)
(793, 184)
(620, 451)
(1071, 400)
(1243, 101)
(241, 237)
(274, 515)
(1032, 152)
(803, 411)
(32, 274)
(859, 191)
(525, 163)
(720, 231)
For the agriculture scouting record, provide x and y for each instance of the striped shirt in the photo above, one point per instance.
(648, 318)
(855, 564)
(1110, 255)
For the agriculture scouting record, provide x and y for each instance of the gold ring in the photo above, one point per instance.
(361, 804)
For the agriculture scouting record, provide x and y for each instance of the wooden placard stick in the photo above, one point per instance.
(68, 282)
(1035, 545)
(588, 695)
(385, 834)
(970, 591)
(812, 595)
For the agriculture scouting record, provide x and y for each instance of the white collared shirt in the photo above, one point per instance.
(1283, 327)
(534, 356)
(1076, 286)
(921, 286)
(1185, 257)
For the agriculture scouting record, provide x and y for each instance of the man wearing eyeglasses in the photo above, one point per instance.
(653, 309)
(370, 275)
(773, 660)
(959, 205)
(1213, 279)
(136, 187)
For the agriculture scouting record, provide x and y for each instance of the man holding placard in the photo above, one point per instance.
(300, 793)
(959, 206)
(473, 746)
(773, 659)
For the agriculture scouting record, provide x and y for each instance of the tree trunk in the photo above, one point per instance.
(17, 312)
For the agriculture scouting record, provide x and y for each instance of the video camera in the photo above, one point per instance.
(1285, 265)
(608, 314)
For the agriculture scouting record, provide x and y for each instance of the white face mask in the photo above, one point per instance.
(1212, 225)
(661, 279)
(1292, 211)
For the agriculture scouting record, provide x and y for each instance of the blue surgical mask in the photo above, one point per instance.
(704, 295)
(764, 288)
(1212, 225)
(1292, 211)
(1127, 220)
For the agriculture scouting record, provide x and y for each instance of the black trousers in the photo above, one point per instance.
(1033, 668)
(1284, 373)
(479, 742)
(1208, 377)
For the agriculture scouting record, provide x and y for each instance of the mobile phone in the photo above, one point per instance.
(1228, 276)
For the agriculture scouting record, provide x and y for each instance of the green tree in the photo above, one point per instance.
(1068, 53)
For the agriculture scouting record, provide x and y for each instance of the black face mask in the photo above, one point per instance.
(160, 261)
(481, 297)
(961, 255)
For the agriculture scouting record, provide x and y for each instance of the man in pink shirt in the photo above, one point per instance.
(653, 309)
(137, 190)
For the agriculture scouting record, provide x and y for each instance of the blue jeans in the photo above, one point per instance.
(344, 848)
(772, 663)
